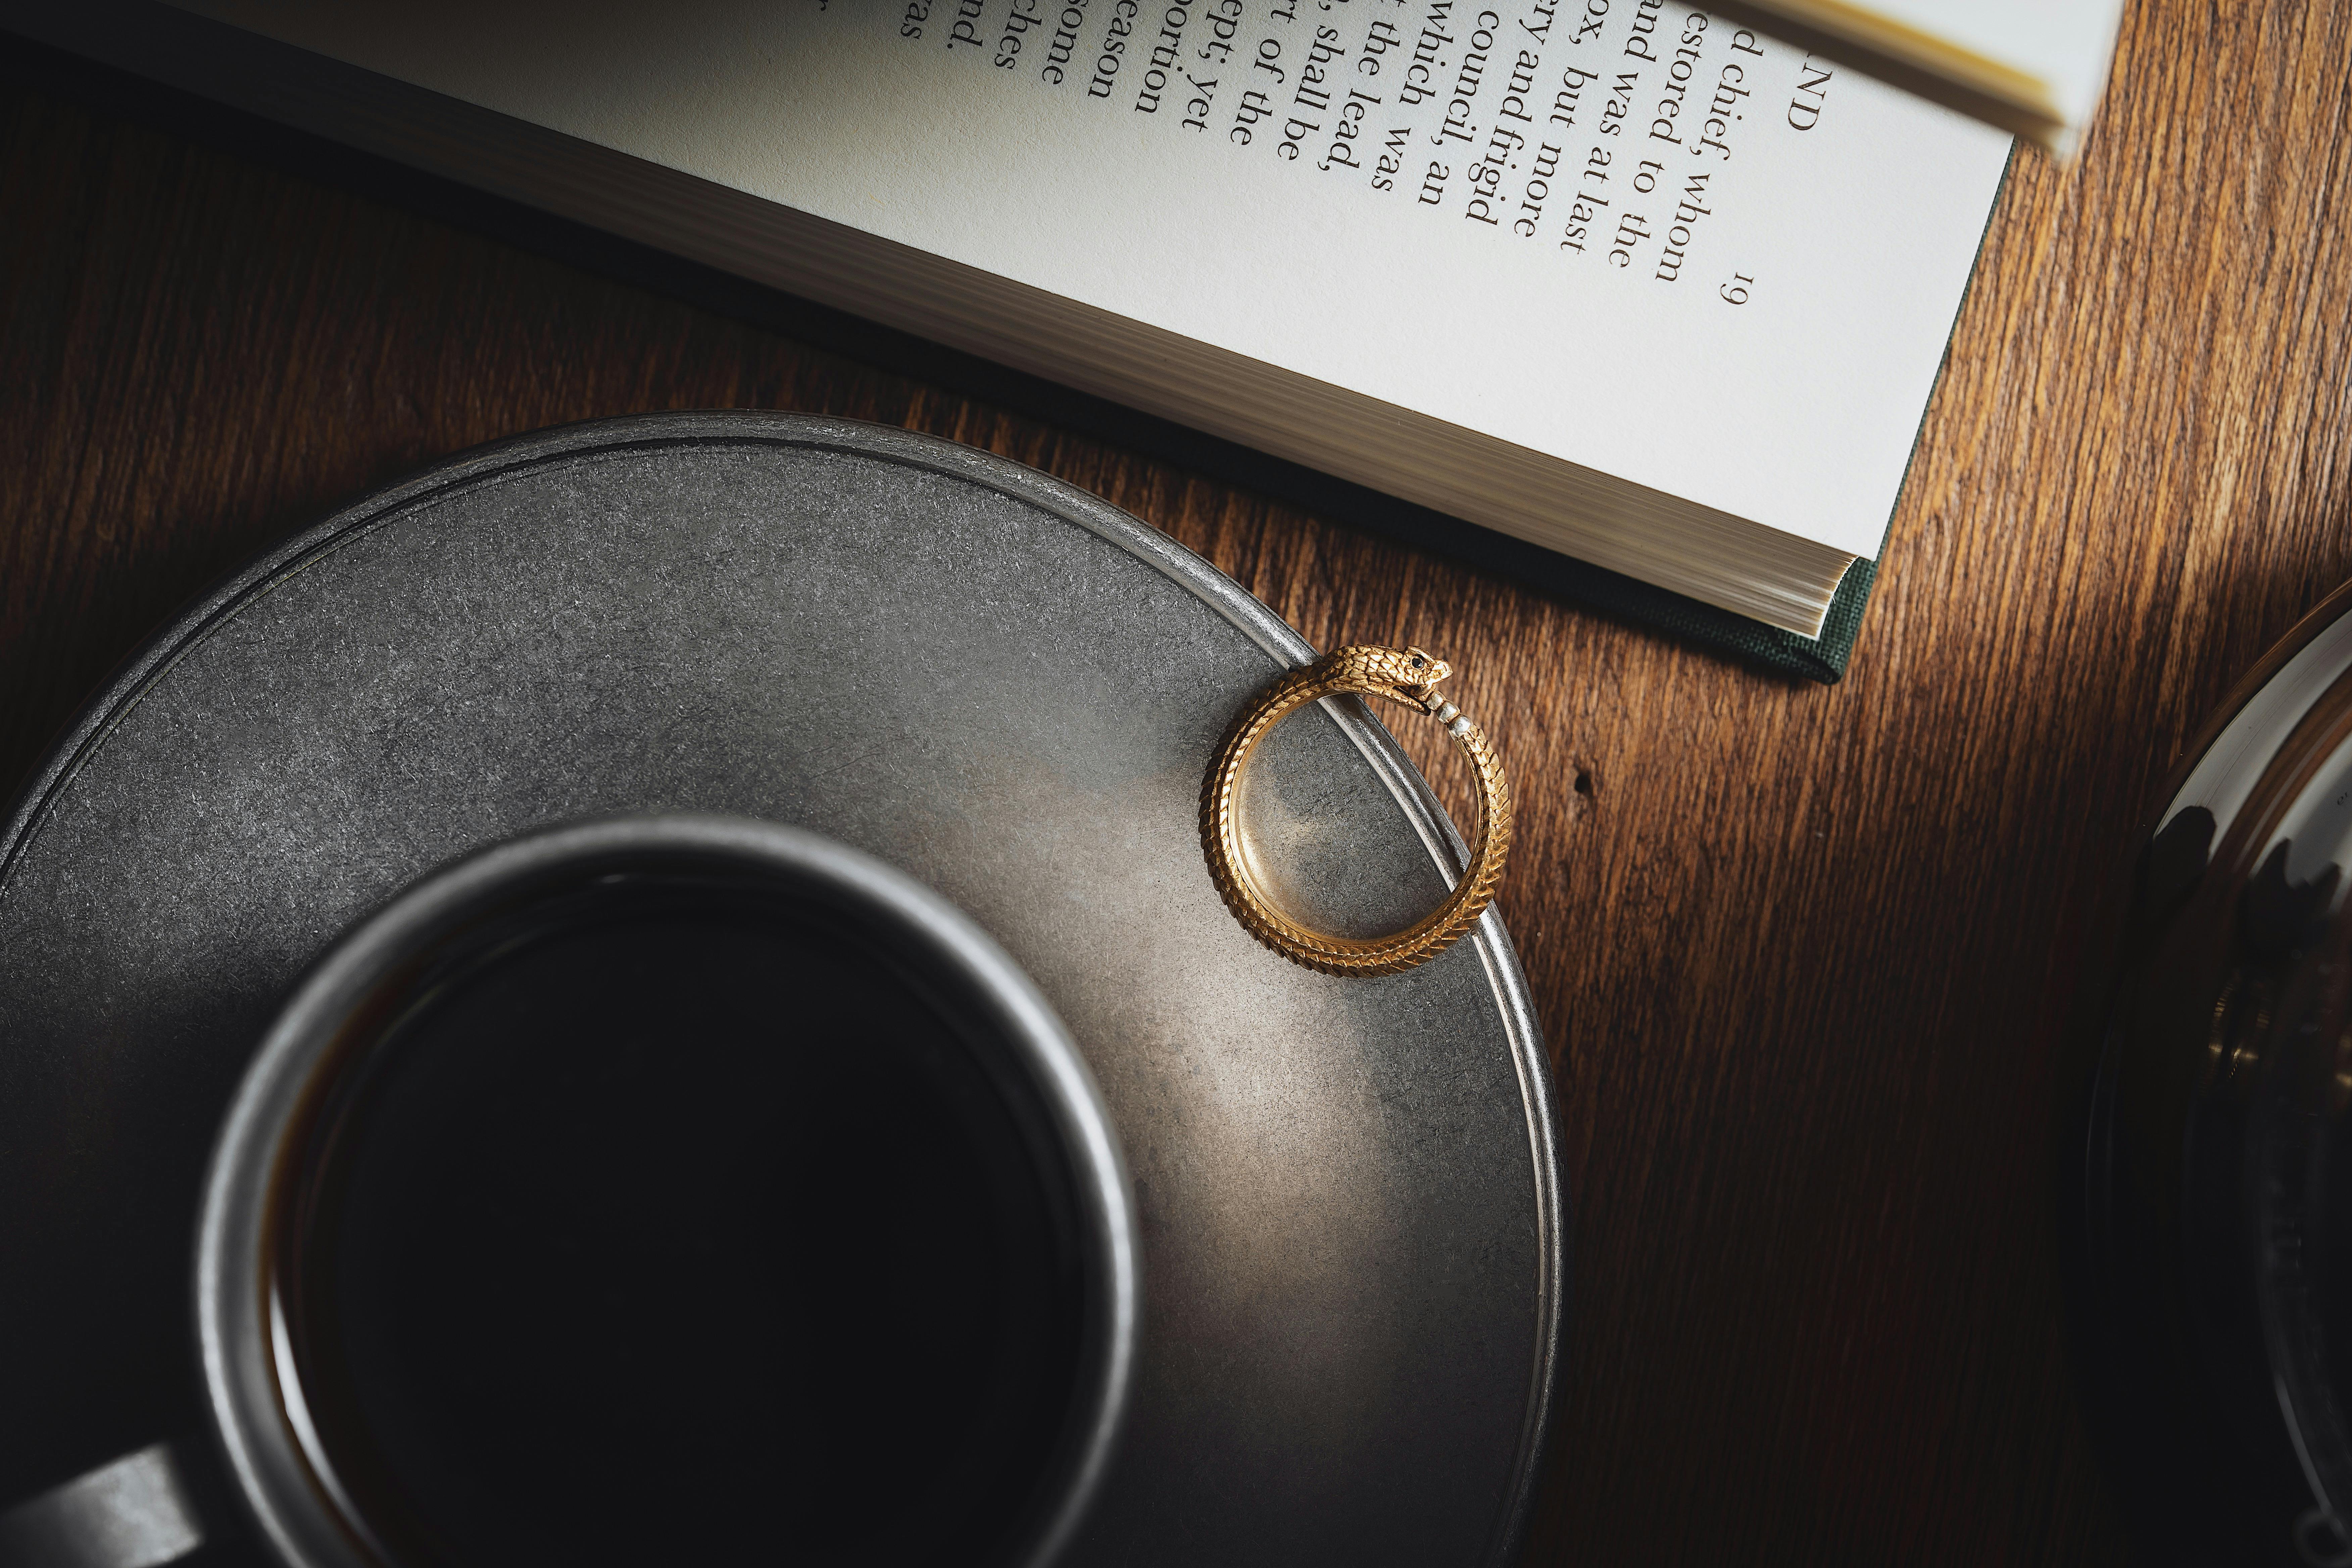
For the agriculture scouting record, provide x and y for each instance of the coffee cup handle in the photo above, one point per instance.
(139, 1511)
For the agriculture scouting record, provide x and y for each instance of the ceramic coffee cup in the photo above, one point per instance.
(677, 1188)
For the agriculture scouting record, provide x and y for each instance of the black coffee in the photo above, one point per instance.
(692, 1229)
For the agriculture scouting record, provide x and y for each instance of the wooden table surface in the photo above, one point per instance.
(1802, 954)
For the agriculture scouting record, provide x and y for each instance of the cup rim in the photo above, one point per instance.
(241, 1349)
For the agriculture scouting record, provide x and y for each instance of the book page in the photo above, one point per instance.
(1619, 233)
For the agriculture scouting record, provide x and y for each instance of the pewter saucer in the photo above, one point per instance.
(1352, 1212)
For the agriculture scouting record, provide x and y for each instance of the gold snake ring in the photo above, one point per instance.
(1410, 678)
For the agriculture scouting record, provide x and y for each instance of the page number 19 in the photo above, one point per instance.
(1736, 292)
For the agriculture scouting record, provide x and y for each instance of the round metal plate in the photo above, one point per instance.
(1352, 1214)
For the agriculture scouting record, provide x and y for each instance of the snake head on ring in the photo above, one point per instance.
(1410, 676)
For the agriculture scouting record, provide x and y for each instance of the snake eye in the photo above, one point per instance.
(1418, 661)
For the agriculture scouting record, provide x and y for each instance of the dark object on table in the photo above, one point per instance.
(2214, 1216)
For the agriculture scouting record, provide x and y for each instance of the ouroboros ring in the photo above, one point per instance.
(1410, 678)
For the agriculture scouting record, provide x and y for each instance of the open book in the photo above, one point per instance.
(1641, 286)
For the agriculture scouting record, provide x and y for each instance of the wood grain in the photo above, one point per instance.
(1801, 952)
